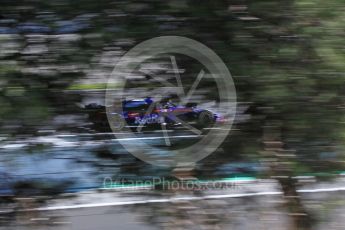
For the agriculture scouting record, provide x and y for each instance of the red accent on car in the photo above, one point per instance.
(133, 114)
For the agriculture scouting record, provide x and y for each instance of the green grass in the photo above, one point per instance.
(87, 86)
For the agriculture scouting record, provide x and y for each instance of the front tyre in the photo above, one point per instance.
(205, 119)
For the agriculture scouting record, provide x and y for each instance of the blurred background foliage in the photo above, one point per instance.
(286, 58)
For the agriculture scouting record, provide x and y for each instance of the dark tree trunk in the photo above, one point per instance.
(280, 170)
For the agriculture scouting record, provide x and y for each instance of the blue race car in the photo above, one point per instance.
(148, 113)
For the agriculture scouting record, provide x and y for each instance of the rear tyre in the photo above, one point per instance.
(118, 122)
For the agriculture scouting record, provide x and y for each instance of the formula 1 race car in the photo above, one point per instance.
(147, 113)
